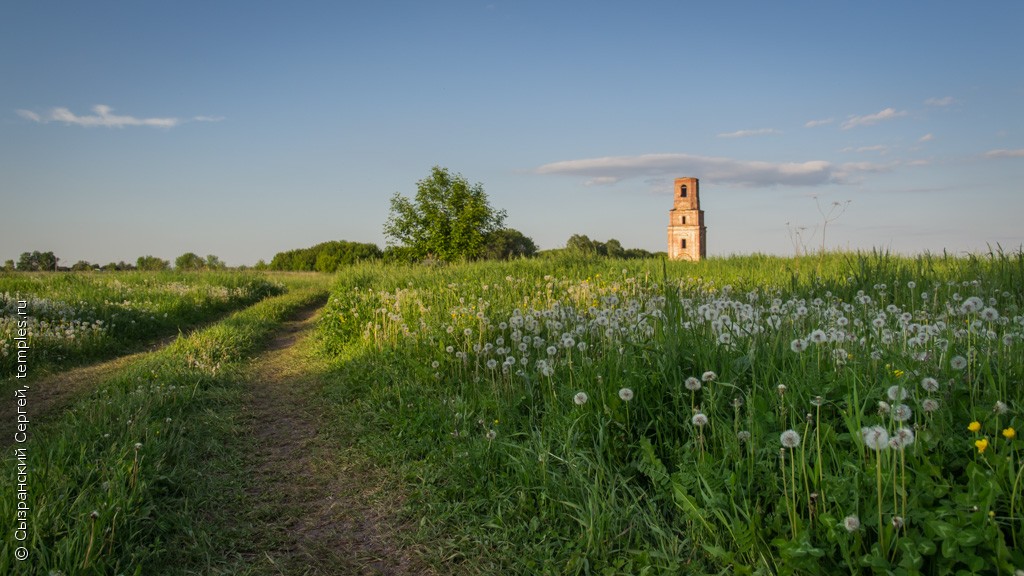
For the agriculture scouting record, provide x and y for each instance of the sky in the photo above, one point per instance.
(242, 129)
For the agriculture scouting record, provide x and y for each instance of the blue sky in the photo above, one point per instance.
(245, 128)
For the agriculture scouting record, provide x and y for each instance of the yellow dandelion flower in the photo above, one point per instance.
(1009, 433)
(981, 445)
(974, 426)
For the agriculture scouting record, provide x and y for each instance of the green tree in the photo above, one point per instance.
(9, 266)
(189, 261)
(214, 263)
(508, 243)
(151, 263)
(449, 219)
(81, 266)
(36, 261)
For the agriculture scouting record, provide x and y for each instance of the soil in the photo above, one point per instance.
(333, 512)
(322, 508)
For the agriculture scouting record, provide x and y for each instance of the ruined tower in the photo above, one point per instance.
(687, 236)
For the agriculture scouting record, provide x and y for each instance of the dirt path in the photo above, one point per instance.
(326, 509)
(52, 392)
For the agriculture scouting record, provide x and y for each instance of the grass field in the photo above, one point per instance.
(853, 413)
(75, 318)
(749, 415)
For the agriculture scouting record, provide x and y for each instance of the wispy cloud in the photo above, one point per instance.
(1018, 153)
(747, 133)
(102, 116)
(868, 120)
(747, 173)
(926, 138)
(944, 101)
(207, 118)
(816, 123)
(875, 148)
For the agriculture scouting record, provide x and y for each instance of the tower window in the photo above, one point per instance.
(682, 191)
(683, 242)
(682, 219)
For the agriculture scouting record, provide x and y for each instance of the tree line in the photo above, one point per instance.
(447, 220)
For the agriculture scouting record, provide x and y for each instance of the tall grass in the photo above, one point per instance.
(120, 483)
(78, 317)
(750, 414)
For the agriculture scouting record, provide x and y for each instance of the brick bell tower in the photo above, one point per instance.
(687, 235)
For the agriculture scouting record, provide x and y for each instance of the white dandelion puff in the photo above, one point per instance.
(790, 438)
(626, 394)
(699, 420)
(580, 398)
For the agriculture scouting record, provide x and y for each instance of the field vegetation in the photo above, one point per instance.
(129, 480)
(749, 415)
(574, 414)
(74, 318)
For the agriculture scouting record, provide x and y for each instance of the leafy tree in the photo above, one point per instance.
(614, 249)
(508, 243)
(151, 263)
(448, 220)
(81, 266)
(9, 266)
(214, 263)
(189, 261)
(324, 257)
(36, 261)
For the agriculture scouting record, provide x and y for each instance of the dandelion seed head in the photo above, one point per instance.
(626, 394)
(699, 420)
(743, 436)
(958, 363)
(692, 384)
(580, 398)
(709, 376)
(790, 438)
(851, 523)
(902, 413)
(930, 384)
(930, 405)
(896, 393)
(875, 437)
(999, 407)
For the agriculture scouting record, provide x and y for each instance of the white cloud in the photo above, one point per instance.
(875, 148)
(207, 118)
(870, 119)
(944, 101)
(103, 116)
(29, 115)
(926, 138)
(1018, 153)
(746, 133)
(815, 123)
(712, 169)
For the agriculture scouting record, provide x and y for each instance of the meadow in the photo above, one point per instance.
(123, 481)
(842, 413)
(750, 415)
(81, 317)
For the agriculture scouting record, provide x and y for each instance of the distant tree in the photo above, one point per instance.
(214, 263)
(189, 261)
(261, 265)
(324, 257)
(151, 263)
(508, 243)
(581, 243)
(82, 266)
(37, 261)
(613, 248)
(9, 266)
(449, 219)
